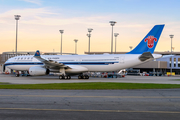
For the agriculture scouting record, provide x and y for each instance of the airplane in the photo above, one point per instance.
(68, 65)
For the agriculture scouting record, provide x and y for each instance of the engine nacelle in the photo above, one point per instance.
(36, 70)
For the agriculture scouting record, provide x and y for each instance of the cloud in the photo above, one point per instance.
(47, 17)
(44, 16)
(43, 24)
(26, 14)
(38, 2)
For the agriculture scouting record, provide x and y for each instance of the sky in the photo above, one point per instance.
(41, 20)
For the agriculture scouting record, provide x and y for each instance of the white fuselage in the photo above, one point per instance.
(108, 62)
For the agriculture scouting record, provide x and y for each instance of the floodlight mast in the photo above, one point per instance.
(75, 40)
(115, 35)
(16, 18)
(61, 31)
(171, 36)
(89, 35)
(112, 24)
(130, 47)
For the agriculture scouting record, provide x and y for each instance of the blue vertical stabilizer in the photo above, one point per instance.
(37, 53)
(148, 44)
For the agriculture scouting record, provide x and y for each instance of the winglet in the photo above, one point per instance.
(37, 53)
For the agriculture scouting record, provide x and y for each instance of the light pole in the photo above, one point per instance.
(171, 36)
(112, 24)
(130, 47)
(89, 35)
(61, 31)
(16, 18)
(115, 35)
(75, 40)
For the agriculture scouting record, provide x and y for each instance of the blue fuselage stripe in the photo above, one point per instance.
(65, 63)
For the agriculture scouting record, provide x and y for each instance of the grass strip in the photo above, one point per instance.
(176, 80)
(2, 83)
(90, 86)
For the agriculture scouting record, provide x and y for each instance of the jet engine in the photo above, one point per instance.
(36, 70)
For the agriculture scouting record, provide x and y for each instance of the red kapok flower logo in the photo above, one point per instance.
(150, 41)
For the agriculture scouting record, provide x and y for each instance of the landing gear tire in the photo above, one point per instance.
(61, 77)
(17, 75)
(65, 77)
(84, 76)
(79, 77)
(69, 77)
(87, 77)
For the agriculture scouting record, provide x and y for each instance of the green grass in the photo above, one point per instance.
(90, 86)
(1, 83)
(176, 79)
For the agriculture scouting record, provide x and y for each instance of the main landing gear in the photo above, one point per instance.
(83, 77)
(64, 77)
(67, 77)
(17, 73)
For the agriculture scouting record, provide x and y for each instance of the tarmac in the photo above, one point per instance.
(151, 104)
(54, 79)
(90, 104)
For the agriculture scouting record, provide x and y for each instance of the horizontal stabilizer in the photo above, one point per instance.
(145, 56)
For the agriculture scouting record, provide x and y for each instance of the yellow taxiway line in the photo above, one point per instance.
(155, 97)
(78, 110)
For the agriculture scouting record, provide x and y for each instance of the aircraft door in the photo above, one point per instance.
(79, 61)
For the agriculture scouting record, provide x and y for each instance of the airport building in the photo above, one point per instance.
(1, 63)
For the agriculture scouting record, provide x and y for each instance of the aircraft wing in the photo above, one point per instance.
(49, 63)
